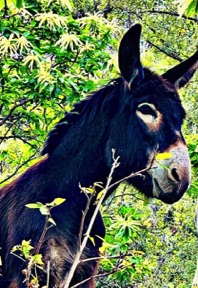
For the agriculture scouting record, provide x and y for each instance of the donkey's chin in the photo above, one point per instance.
(170, 197)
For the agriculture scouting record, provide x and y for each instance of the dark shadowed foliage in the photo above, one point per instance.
(138, 115)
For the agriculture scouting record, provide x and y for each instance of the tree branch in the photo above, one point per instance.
(22, 102)
(18, 168)
(171, 14)
(172, 55)
(3, 138)
(5, 15)
(174, 14)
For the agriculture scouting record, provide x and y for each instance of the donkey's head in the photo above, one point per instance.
(150, 122)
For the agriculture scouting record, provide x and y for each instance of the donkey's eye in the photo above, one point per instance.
(148, 113)
(147, 109)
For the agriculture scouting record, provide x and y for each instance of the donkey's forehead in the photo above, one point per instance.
(155, 88)
(156, 82)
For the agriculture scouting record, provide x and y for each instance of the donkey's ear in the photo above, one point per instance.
(129, 54)
(182, 73)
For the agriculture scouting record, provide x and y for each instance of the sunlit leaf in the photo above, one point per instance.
(56, 202)
(19, 3)
(51, 221)
(44, 211)
(37, 259)
(92, 240)
(164, 156)
(34, 205)
(100, 194)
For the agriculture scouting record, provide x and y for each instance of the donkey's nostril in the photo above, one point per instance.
(175, 174)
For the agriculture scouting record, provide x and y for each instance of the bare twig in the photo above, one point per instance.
(104, 257)
(84, 242)
(99, 275)
(101, 199)
(84, 213)
(174, 56)
(18, 256)
(48, 274)
(40, 242)
(139, 173)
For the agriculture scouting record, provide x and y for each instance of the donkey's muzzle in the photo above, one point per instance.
(171, 177)
(173, 196)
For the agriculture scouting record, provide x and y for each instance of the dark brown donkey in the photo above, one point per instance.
(138, 115)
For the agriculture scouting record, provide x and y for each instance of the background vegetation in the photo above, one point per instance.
(54, 53)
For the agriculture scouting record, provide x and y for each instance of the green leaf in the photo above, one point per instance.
(19, 3)
(56, 202)
(34, 205)
(2, 4)
(92, 240)
(37, 259)
(44, 211)
(192, 8)
(52, 221)
(100, 194)
(26, 247)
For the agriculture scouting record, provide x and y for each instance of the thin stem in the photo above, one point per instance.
(84, 242)
(98, 275)
(104, 257)
(40, 242)
(84, 213)
(48, 274)
(172, 14)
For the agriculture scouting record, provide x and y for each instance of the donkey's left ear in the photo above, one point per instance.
(129, 54)
(183, 72)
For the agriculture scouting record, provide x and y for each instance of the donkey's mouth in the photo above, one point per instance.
(172, 196)
(157, 190)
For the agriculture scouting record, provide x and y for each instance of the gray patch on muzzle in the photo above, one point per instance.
(171, 177)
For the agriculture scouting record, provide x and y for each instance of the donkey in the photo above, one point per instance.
(138, 115)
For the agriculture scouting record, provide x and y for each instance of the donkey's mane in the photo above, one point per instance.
(93, 100)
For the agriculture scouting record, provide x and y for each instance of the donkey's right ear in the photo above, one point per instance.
(129, 54)
(183, 72)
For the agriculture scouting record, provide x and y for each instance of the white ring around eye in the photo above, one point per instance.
(152, 106)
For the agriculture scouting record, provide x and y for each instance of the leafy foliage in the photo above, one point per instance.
(159, 244)
(49, 61)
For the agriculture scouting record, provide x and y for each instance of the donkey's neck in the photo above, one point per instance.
(82, 157)
(83, 150)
